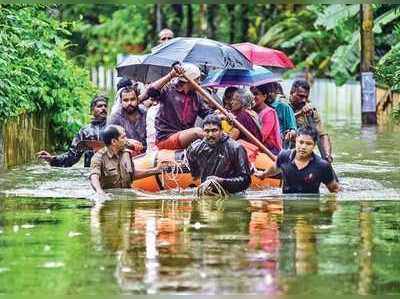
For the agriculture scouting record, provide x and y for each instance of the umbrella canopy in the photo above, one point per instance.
(205, 53)
(132, 67)
(232, 77)
(264, 56)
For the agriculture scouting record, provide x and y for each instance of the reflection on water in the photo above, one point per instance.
(205, 246)
(262, 242)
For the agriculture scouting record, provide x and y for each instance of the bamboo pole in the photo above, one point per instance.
(237, 124)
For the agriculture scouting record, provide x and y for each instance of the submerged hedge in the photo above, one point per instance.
(35, 73)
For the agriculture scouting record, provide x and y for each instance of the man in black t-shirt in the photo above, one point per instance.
(302, 170)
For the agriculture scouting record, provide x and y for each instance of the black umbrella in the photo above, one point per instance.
(205, 53)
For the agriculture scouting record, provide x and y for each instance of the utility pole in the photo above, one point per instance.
(368, 89)
(158, 18)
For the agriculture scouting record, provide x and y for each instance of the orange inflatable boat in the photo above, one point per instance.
(180, 176)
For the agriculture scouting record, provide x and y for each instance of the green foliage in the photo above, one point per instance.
(336, 13)
(326, 38)
(388, 73)
(36, 75)
(388, 69)
(126, 30)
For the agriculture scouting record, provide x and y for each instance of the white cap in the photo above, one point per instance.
(191, 70)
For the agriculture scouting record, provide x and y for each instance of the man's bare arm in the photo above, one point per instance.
(327, 147)
(272, 171)
(143, 173)
(334, 187)
(95, 183)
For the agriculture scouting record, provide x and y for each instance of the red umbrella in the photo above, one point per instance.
(264, 56)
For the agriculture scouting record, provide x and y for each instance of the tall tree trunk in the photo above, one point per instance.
(245, 23)
(177, 19)
(212, 11)
(202, 20)
(189, 20)
(232, 22)
(368, 97)
(158, 15)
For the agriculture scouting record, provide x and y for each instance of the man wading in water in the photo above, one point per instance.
(112, 166)
(217, 157)
(98, 106)
(302, 170)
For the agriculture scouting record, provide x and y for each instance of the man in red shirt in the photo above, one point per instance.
(179, 107)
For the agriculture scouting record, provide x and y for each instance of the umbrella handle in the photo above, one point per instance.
(237, 124)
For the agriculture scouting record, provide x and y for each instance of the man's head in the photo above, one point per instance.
(299, 93)
(129, 99)
(98, 106)
(265, 93)
(124, 82)
(305, 142)
(114, 137)
(212, 129)
(192, 71)
(165, 35)
(227, 98)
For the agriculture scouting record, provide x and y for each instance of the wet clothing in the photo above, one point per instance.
(306, 180)
(287, 119)
(90, 132)
(114, 171)
(303, 121)
(178, 111)
(249, 123)
(270, 129)
(151, 128)
(227, 159)
(172, 142)
(135, 130)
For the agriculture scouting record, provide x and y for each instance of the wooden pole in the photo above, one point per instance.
(237, 124)
(368, 93)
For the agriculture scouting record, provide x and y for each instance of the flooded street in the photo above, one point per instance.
(52, 238)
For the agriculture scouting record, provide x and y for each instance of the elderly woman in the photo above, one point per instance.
(244, 116)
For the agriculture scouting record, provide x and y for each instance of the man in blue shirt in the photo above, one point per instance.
(302, 170)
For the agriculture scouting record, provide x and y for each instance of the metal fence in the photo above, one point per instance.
(104, 78)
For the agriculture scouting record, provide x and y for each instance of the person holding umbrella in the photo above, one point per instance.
(179, 107)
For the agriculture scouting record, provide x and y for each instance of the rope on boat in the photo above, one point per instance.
(172, 174)
(211, 188)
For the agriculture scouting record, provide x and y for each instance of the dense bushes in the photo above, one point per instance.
(36, 75)
(388, 69)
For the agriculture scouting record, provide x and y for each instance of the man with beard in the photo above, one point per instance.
(308, 116)
(98, 106)
(302, 170)
(219, 158)
(132, 118)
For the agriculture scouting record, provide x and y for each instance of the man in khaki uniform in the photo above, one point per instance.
(308, 116)
(112, 166)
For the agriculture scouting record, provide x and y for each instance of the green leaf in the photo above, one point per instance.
(335, 14)
(385, 19)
